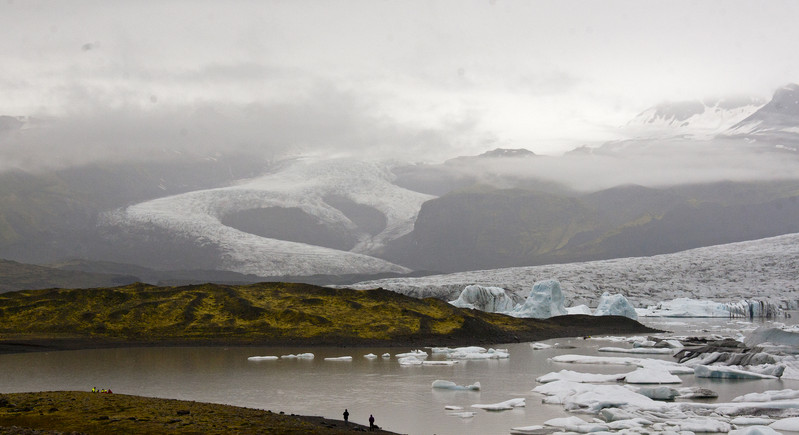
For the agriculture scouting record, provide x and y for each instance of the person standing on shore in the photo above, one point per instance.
(371, 422)
(346, 416)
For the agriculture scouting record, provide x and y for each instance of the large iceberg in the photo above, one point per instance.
(615, 305)
(685, 307)
(490, 299)
(546, 300)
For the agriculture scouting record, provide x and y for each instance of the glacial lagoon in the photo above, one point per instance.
(400, 397)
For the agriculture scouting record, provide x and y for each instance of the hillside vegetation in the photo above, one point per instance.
(265, 313)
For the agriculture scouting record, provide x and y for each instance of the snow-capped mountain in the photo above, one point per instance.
(694, 119)
(765, 268)
(778, 120)
(304, 184)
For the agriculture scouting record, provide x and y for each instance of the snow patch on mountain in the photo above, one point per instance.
(766, 269)
(303, 183)
(695, 119)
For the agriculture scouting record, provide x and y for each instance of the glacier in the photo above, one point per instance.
(726, 273)
(301, 183)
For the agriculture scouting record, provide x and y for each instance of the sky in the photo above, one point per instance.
(417, 80)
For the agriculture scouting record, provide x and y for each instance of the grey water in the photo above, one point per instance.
(400, 398)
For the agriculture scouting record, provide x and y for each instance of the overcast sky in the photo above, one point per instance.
(417, 79)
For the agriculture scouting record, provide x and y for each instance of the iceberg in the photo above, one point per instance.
(576, 424)
(386, 355)
(439, 363)
(339, 358)
(658, 393)
(789, 424)
(778, 336)
(462, 414)
(528, 430)
(579, 309)
(652, 375)
(762, 421)
(768, 396)
(570, 375)
(409, 361)
(649, 350)
(545, 300)
(449, 385)
(490, 299)
(298, 356)
(593, 398)
(262, 358)
(725, 372)
(415, 353)
(501, 406)
(686, 307)
(370, 356)
(615, 305)
(672, 367)
(755, 430)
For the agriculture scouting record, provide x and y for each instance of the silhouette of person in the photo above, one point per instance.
(371, 422)
(346, 415)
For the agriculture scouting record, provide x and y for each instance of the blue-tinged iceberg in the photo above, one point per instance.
(615, 305)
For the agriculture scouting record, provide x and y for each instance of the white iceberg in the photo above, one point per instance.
(409, 361)
(298, 356)
(754, 430)
(540, 346)
(768, 396)
(637, 350)
(751, 421)
(449, 385)
(528, 430)
(463, 414)
(615, 305)
(386, 355)
(576, 424)
(592, 398)
(771, 335)
(490, 299)
(501, 406)
(439, 363)
(725, 372)
(453, 407)
(570, 375)
(579, 309)
(262, 358)
(789, 424)
(370, 356)
(672, 367)
(658, 393)
(420, 354)
(545, 300)
(652, 375)
(339, 358)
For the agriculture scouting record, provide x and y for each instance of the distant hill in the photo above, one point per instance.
(17, 276)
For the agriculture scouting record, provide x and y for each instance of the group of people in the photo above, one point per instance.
(103, 390)
(372, 425)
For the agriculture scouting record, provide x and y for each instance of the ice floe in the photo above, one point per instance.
(449, 385)
(262, 358)
(652, 375)
(672, 367)
(490, 299)
(339, 358)
(306, 355)
(649, 350)
(726, 372)
(570, 375)
(370, 356)
(419, 354)
(501, 406)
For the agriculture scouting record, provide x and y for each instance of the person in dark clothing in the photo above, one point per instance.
(371, 422)
(346, 416)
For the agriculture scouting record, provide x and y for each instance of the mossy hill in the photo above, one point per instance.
(265, 313)
(57, 412)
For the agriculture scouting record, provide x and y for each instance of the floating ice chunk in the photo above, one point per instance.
(420, 354)
(768, 396)
(298, 356)
(439, 363)
(501, 406)
(370, 356)
(697, 393)
(615, 305)
(490, 299)
(755, 430)
(789, 424)
(262, 358)
(724, 372)
(569, 375)
(470, 356)
(579, 309)
(658, 393)
(685, 307)
(435, 350)
(339, 358)
(528, 430)
(652, 375)
(540, 346)
(674, 344)
(763, 421)
(672, 367)
(766, 334)
(594, 397)
(463, 414)
(386, 355)
(469, 349)
(633, 423)
(409, 361)
(453, 408)
(449, 385)
(576, 424)
(701, 424)
(545, 300)
(637, 350)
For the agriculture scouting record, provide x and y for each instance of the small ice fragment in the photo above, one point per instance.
(262, 358)
(370, 356)
(339, 358)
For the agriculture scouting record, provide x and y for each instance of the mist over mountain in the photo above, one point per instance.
(702, 174)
